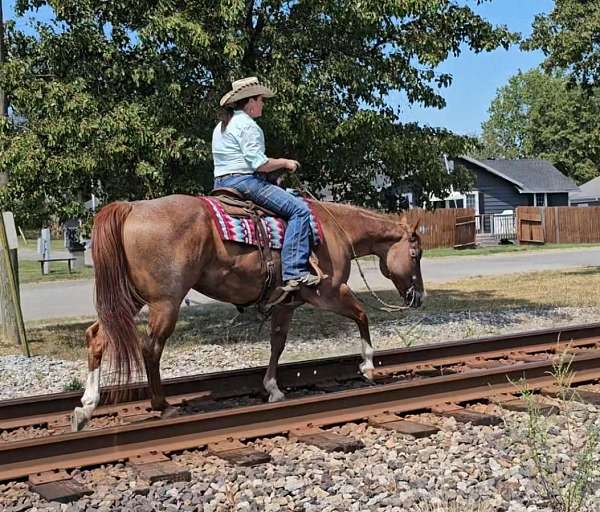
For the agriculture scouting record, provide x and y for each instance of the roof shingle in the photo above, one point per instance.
(534, 175)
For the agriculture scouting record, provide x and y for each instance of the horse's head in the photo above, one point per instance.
(402, 264)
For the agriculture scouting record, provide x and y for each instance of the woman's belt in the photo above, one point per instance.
(235, 174)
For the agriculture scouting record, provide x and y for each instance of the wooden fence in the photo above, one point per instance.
(559, 224)
(437, 228)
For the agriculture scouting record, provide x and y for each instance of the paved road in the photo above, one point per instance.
(75, 298)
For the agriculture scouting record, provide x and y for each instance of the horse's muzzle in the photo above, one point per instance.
(413, 297)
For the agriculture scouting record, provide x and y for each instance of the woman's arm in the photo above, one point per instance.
(274, 164)
(253, 149)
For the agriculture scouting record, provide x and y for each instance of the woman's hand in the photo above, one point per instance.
(292, 165)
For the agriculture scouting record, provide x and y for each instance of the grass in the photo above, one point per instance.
(500, 249)
(209, 323)
(56, 245)
(30, 272)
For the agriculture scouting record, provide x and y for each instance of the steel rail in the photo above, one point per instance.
(306, 373)
(22, 458)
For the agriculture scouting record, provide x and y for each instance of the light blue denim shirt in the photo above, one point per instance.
(240, 148)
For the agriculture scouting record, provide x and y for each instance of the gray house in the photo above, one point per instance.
(502, 185)
(588, 195)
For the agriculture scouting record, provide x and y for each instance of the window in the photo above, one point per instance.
(471, 201)
(539, 200)
(455, 203)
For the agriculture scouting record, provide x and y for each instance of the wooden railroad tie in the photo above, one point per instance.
(57, 486)
(390, 421)
(510, 403)
(155, 466)
(136, 413)
(327, 441)
(235, 452)
(462, 415)
(587, 397)
(60, 424)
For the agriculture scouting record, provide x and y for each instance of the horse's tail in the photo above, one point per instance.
(117, 301)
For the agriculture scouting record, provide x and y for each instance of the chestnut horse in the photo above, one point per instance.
(153, 252)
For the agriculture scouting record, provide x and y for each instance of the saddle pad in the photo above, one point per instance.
(241, 229)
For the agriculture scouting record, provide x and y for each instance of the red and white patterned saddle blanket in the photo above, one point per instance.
(241, 229)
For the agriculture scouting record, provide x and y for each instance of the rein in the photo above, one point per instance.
(388, 308)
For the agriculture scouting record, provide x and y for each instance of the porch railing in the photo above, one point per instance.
(501, 226)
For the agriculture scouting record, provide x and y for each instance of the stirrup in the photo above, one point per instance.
(308, 280)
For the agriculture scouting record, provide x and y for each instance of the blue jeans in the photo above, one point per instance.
(297, 241)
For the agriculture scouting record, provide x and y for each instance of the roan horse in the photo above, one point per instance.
(153, 252)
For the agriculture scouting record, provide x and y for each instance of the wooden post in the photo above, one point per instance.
(13, 246)
(13, 315)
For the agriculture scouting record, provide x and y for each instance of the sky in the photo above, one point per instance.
(476, 77)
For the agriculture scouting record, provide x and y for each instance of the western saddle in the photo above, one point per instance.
(235, 205)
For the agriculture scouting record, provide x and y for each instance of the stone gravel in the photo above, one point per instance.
(21, 376)
(462, 468)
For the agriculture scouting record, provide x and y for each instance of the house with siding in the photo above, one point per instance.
(501, 185)
(588, 195)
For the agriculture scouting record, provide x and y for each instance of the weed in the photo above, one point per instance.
(567, 476)
(73, 385)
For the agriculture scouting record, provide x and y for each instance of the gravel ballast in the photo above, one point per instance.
(22, 376)
(471, 468)
(475, 468)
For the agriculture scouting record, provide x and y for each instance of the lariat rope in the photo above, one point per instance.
(389, 308)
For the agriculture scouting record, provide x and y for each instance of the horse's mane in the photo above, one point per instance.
(367, 212)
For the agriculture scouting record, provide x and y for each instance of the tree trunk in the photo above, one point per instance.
(3, 102)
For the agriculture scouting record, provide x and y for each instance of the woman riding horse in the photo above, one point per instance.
(238, 147)
(151, 253)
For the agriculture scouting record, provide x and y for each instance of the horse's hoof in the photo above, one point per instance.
(169, 412)
(276, 396)
(78, 420)
(368, 374)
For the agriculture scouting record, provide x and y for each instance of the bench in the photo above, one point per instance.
(69, 261)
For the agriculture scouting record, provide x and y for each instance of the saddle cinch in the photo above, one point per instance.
(234, 205)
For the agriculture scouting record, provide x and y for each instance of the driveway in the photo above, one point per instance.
(75, 298)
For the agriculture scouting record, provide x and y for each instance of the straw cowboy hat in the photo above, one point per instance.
(245, 88)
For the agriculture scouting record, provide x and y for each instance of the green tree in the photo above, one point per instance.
(569, 36)
(507, 131)
(123, 93)
(536, 115)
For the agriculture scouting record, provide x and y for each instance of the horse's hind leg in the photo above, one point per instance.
(280, 324)
(91, 396)
(161, 323)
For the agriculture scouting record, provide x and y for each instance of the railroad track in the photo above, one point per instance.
(223, 410)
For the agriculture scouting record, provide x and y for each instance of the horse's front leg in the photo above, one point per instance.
(342, 301)
(280, 324)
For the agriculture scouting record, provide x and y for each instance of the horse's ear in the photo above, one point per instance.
(416, 226)
(403, 221)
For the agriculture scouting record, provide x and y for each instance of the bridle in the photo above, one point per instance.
(389, 308)
(411, 292)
